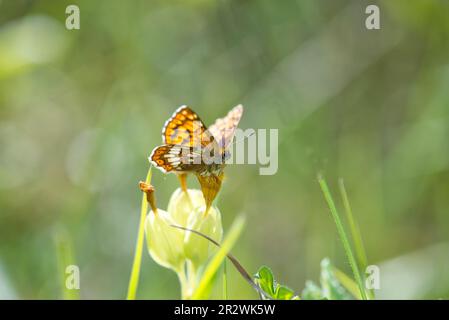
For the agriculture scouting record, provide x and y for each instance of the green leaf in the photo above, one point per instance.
(265, 280)
(284, 293)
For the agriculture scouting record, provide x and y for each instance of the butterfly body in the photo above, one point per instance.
(189, 147)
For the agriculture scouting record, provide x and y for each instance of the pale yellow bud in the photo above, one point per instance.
(180, 249)
(182, 203)
(165, 243)
(188, 210)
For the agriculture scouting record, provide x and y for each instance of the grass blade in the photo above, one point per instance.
(354, 228)
(234, 261)
(347, 282)
(225, 282)
(355, 233)
(343, 236)
(135, 271)
(64, 253)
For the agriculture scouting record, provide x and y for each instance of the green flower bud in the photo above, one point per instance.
(187, 209)
(182, 203)
(165, 243)
(197, 249)
(181, 250)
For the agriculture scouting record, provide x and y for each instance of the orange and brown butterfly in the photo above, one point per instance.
(190, 147)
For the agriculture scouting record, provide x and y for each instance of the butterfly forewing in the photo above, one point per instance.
(189, 146)
(185, 128)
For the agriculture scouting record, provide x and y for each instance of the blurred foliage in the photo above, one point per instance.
(81, 110)
(331, 288)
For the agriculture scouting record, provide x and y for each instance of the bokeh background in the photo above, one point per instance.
(80, 111)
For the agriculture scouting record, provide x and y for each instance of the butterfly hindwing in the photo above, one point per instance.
(223, 129)
(175, 158)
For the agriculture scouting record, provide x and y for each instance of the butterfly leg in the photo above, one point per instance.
(183, 180)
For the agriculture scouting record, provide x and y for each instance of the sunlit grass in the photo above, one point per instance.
(354, 228)
(65, 256)
(355, 233)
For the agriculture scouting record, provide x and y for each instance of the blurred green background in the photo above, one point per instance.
(80, 111)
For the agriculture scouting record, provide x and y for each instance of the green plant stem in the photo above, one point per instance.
(135, 271)
(343, 237)
(184, 284)
(225, 282)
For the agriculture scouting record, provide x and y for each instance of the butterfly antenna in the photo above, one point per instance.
(245, 137)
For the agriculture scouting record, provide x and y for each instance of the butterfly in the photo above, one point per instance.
(190, 147)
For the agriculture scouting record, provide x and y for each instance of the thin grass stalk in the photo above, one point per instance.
(343, 236)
